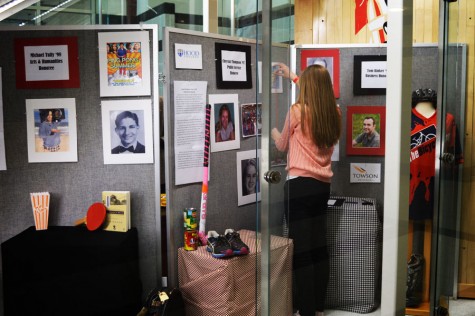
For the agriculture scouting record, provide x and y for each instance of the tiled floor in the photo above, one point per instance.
(462, 308)
(456, 308)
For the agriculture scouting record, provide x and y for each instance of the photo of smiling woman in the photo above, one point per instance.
(250, 177)
(49, 131)
(225, 123)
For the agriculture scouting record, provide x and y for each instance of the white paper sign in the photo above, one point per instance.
(46, 63)
(190, 110)
(188, 56)
(259, 75)
(373, 74)
(336, 152)
(233, 65)
(365, 172)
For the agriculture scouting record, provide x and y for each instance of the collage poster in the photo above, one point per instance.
(124, 64)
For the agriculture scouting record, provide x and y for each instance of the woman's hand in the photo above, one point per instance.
(275, 134)
(285, 72)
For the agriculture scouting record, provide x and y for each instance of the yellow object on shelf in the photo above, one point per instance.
(163, 199)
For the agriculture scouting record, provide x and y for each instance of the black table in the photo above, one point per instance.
(71, 271)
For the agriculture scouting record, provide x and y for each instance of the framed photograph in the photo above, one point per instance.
(47, 63)
(251, 119)
(124, 63)
(225, 127)
(233, 66)
(329, 58)
(369, 75)
(365, 130)
(51, 130)
(247, 177)
(127, 131)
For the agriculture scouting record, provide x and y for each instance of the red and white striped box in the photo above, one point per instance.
(40, 205)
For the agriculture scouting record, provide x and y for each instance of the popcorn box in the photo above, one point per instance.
(40, 205)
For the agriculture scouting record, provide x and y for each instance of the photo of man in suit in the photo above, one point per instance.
(127, 127)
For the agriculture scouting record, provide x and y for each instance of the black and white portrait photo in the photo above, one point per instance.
(127, 132)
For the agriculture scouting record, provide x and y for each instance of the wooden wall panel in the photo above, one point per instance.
(303, 27)
(338, 21)
(427, 21)
(466, 33)
(417, 17)
(321, 14)
(435, 21)
(346, 21)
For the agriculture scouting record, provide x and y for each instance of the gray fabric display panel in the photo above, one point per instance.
(73, 186)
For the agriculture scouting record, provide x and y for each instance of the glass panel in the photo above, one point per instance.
(55, 13)
(274, 27)
(451, 121)
(65, 18)
(189, 15)
(226, 17)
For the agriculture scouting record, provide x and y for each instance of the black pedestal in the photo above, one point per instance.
(71, 271)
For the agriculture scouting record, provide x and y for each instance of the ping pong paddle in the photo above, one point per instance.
(96, 214)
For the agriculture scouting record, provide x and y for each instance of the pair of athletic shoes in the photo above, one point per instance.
(227, 245)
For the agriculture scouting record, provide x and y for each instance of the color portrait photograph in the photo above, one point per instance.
(51, 128)
(366, 130)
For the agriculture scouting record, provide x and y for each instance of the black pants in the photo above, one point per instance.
(306, 203)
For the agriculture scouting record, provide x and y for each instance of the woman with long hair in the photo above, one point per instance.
(312, 128)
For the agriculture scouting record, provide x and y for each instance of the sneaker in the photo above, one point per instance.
(218, 245)
(237, 245)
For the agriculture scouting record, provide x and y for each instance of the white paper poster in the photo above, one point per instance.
(190, 106)
(46, 63)
(365, 172)
(336, 152)
(373, 74)
(233, 65)
(259, 75)
(188, 56)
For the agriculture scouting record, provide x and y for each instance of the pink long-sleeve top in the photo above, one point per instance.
(304, 158)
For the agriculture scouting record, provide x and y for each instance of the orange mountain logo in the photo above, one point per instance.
(359, 169)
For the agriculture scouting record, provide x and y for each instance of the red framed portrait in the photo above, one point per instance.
(46, 63)
(366, 130)
(330, 58)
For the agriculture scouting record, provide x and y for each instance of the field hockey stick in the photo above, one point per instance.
(204, 187)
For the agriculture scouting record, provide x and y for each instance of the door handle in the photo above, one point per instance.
(272, 176)
(448, 158)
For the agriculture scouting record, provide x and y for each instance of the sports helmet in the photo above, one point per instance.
(424, 95)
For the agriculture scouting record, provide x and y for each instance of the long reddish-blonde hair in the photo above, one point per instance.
(319, 112)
